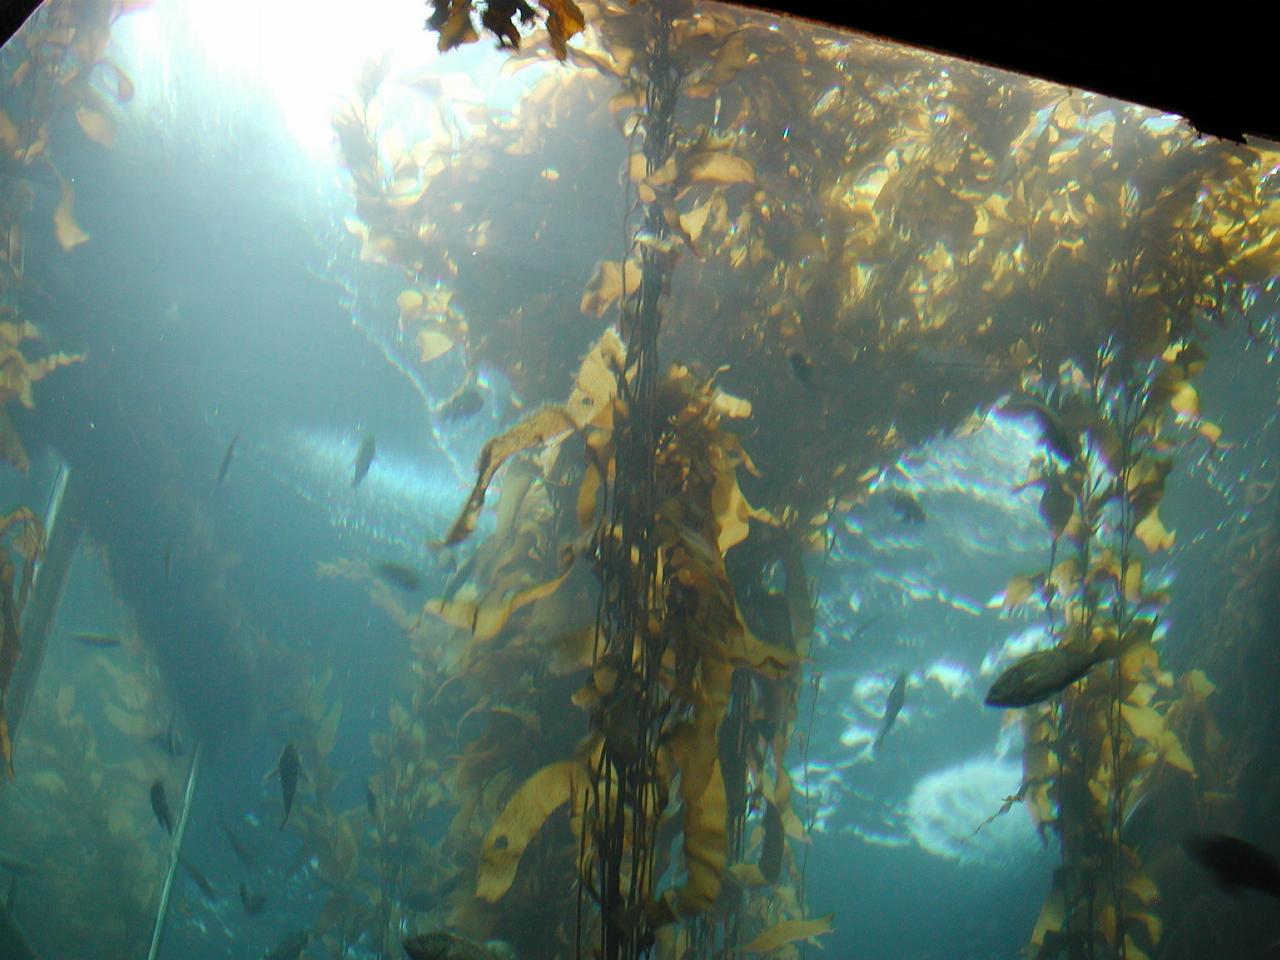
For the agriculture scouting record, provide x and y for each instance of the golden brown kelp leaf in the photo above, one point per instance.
(789, 931)
(486, 618)
(17, 373)
(564, 22)
(718, 167)
(97, 125)
(521, 819)
(607, 285)
(451, 19)
(540, 426)
(65, 228)
(11, 449)
(6, 745)
(705, 818)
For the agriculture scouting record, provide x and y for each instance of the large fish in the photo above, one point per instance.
(160, 806)
(892, 707)
(444, 946)
(1060, 439)
(289, 768)
(364, 459)
(1042, 675)
(1236, 864)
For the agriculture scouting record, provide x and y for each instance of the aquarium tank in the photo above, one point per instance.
(488, 480)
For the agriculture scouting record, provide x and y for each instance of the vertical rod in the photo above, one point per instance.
(62, 537)
(175, 853)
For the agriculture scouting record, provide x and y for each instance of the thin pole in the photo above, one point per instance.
(175, 852)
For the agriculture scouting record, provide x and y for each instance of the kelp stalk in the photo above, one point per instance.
(624, 789)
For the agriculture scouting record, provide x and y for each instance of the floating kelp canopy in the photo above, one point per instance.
(865, 244)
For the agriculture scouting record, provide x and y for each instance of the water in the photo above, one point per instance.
(876, 248)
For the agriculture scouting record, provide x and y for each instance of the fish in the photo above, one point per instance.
(160, 805)
(199, 879)
(463, 404)
(16, 865)
(907, 507)
(1056, 434)
(102, 641)
(243, 853)
(444, 946)
(226, 460)
(290, 948)
(289, 767)
(1045, 673)
(252, 901)
(892, 707)
(400, 575)
(364, 459)
(371, 800)
(168, 740)
(801, 367)
(1236, 864)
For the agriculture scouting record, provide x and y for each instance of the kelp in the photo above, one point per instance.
(923, 267)
(1094, 756)
(788, 931)
(454, 21)
(59, 65)
(537, 428)
(541, 795)
(21, 539)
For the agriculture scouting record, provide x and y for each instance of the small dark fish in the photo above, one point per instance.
(168, 739)
(289, 767)
(1045, 673)
(907, 507)
(160, 805)
(465, 403)
(226, 460)
(168, 561)
(102, 641)
(290, 948)
(892, 707)
(1056, 434)
(400, 575)
(371, 800)
(1236, 864)
(801, 367)
(16, 865)
(199, 879)
(252, 901)
(243, 853)
(364, 458)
